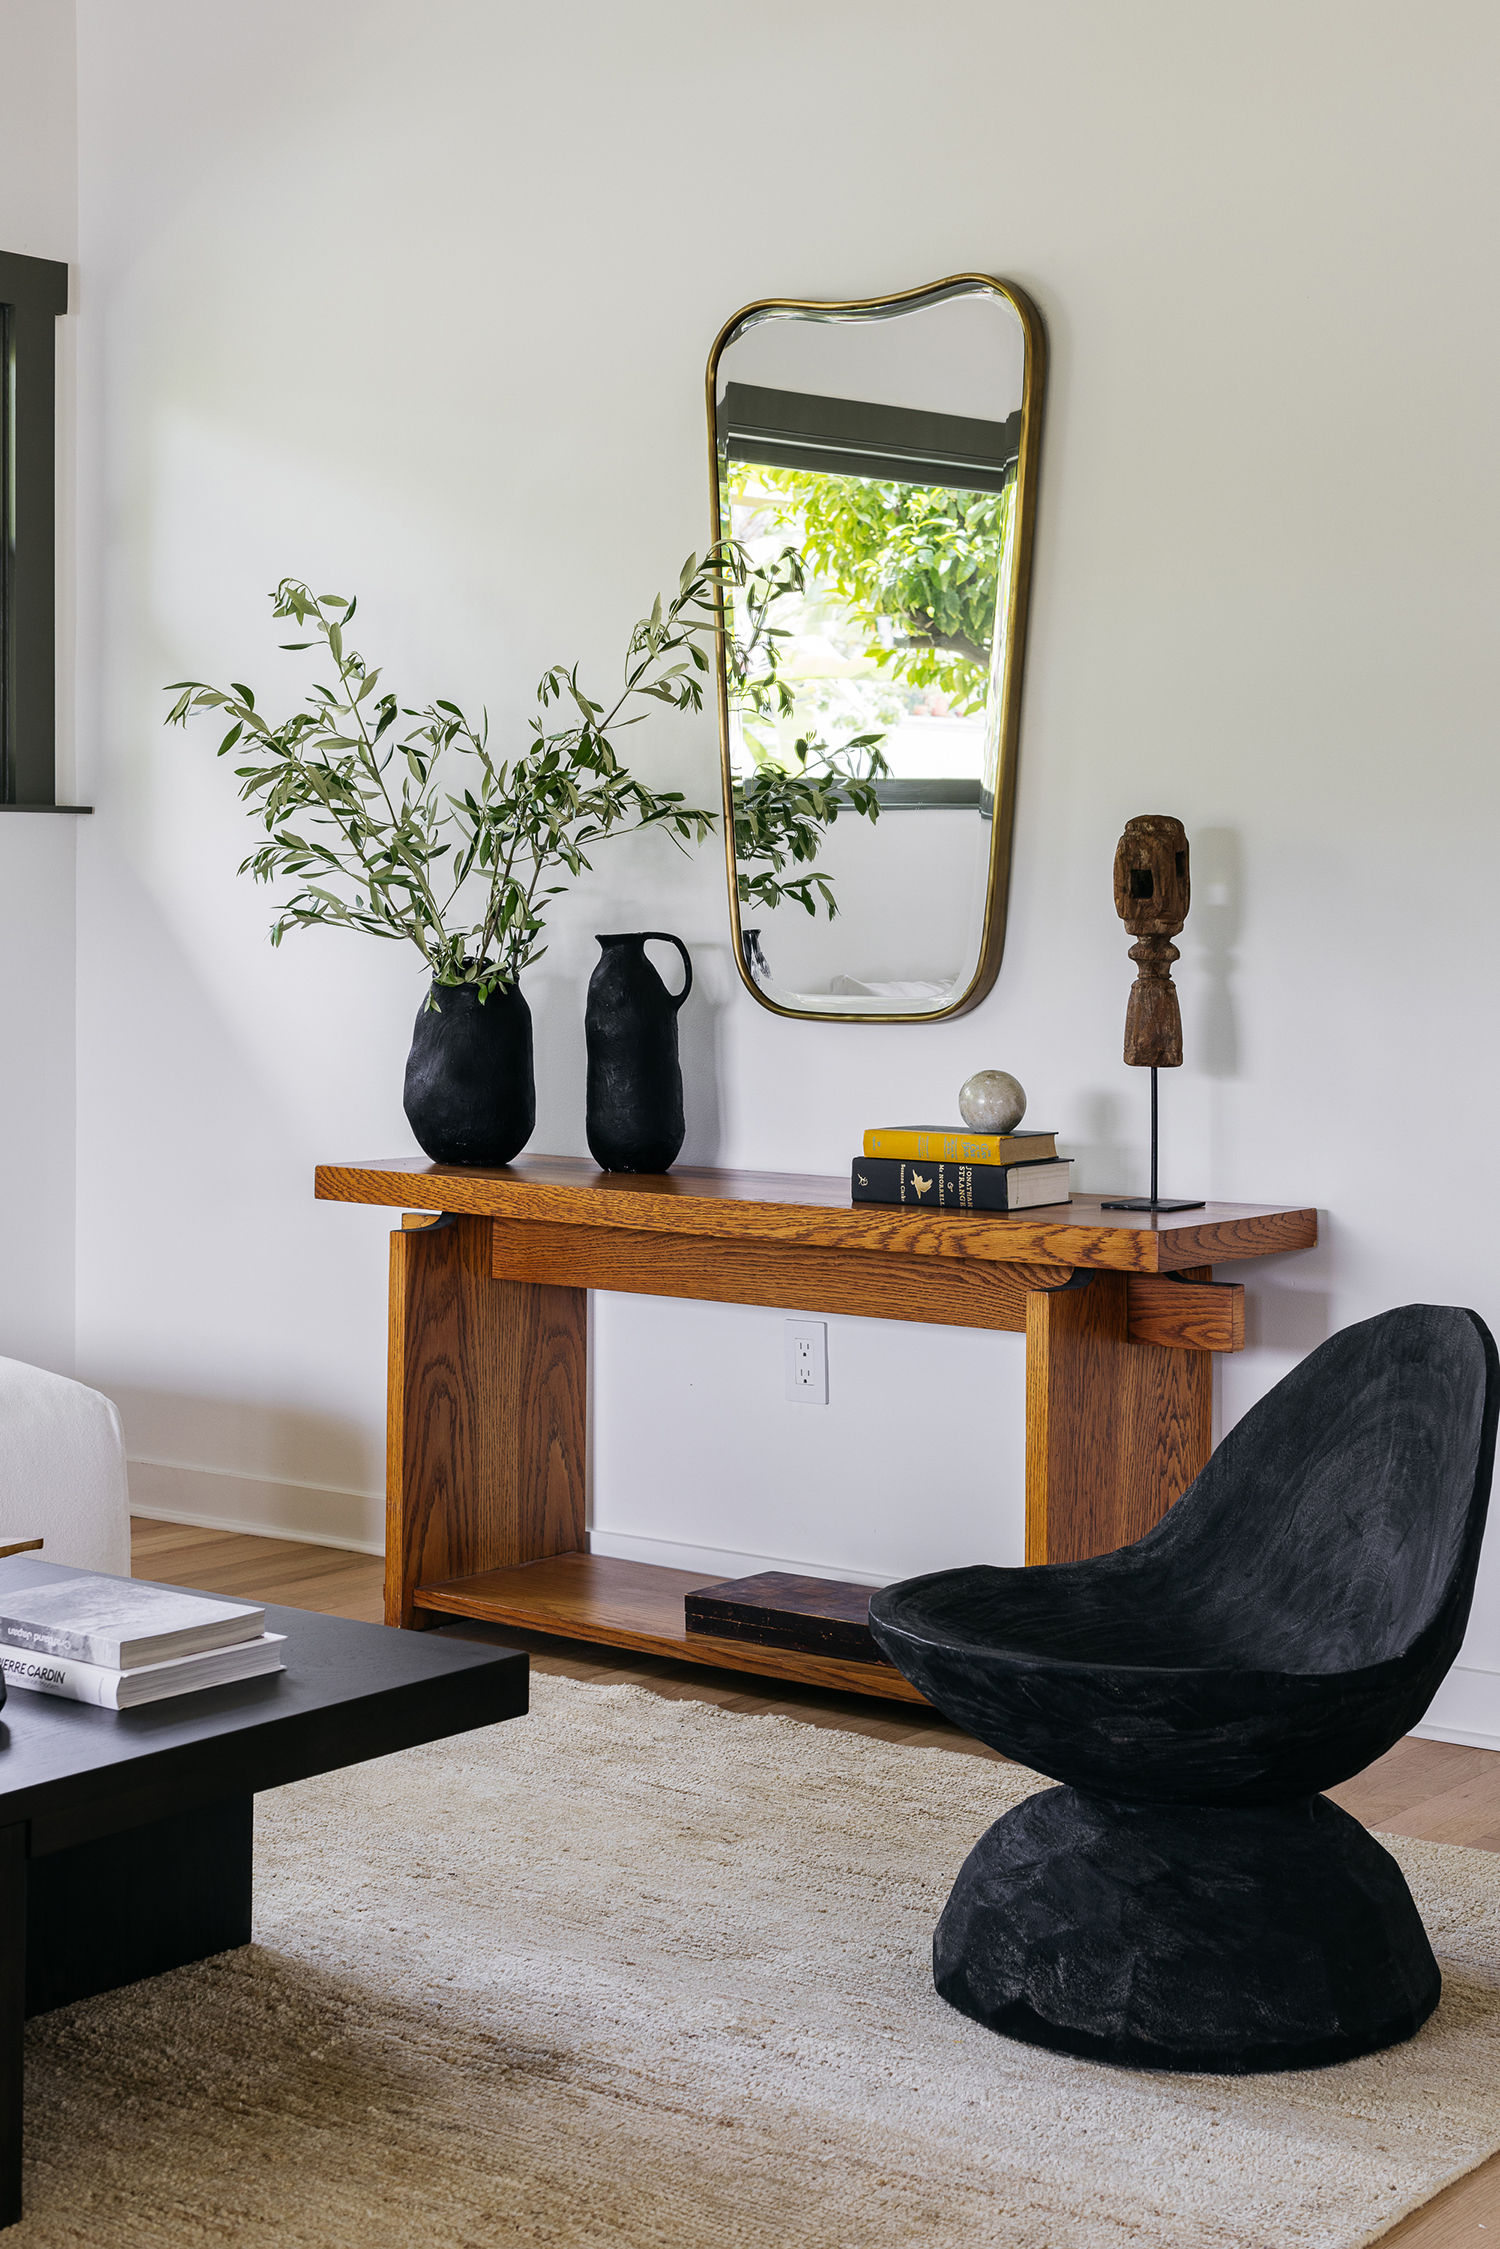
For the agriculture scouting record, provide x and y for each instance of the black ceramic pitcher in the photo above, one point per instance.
(634, 1118)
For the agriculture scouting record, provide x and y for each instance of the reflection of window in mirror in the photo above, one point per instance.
(903, 519)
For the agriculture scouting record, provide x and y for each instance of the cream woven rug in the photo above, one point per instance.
(644, 1972)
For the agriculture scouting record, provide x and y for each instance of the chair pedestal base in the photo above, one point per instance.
(1184, 1937)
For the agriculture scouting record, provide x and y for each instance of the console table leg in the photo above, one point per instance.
(1115, 1430)
(485, 1429)
(12, 2016)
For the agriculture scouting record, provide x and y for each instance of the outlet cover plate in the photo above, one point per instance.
(806, 1361)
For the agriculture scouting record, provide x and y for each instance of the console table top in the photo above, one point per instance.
(808, 1211)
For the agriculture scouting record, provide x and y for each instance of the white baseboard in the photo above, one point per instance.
(722, 1560)
(1465, 1709)
(215, 1499)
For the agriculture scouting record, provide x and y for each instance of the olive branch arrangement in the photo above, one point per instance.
(382, 830)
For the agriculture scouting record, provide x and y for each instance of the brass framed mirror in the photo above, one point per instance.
(873, 468)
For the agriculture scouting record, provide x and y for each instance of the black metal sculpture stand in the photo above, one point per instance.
(1152, 1201)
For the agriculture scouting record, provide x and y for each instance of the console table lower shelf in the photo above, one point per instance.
(638, 1605)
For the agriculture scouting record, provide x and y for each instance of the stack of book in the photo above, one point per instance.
(947, 1167)
(110, 1641)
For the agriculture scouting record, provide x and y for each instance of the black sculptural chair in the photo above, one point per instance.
(1186, 1900)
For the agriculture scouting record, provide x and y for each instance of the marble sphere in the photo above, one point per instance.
(992, 1101)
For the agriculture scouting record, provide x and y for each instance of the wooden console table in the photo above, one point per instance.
(487, 1376)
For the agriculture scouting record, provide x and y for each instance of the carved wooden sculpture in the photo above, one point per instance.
(1152, 894)
(1153, 891)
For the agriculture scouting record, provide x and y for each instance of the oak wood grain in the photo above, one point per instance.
(637, 1605)
(816, 1213)
(1186, 1315)
(1075, 1343)
(1116, 1430)
(485, 1440)
(1166, 1434)
(946, 1291)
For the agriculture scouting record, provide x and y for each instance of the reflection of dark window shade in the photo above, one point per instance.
(790, 429)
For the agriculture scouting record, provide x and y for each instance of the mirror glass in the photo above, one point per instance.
(874, 466)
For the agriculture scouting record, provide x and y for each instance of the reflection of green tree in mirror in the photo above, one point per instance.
(783, 809)
(918, 565)
(782, 814)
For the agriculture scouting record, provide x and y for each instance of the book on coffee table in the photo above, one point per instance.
(148, 1682)
(118, 1624)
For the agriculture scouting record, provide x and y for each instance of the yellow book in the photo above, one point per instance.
(954, 1144)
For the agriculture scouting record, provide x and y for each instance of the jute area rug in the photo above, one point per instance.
(642, 1972)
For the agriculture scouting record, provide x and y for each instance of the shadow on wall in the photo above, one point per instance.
(1103, 1159)
(699, 1037)
(1217, 919)
(1288, 1300)
(556, 1003)
(1285, 1319)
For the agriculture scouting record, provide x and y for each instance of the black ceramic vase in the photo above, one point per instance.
(634, 1117)
(470, 1093)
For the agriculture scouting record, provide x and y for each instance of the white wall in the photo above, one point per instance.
(416, 302)
(36, 1089)
(39, 219)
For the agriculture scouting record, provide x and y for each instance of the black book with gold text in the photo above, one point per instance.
(943, 1186)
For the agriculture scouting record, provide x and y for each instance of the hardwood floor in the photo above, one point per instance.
(260, 1569)
(1428, 1788)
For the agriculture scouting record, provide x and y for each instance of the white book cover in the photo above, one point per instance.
(115, 1622)
(149, 1682)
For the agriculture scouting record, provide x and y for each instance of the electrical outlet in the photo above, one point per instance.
(807, 1362)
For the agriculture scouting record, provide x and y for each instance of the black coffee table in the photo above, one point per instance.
(125, 1836)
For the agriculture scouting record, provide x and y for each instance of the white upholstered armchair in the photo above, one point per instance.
(62, 1469)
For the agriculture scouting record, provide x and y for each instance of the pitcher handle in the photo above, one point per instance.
(665, 937)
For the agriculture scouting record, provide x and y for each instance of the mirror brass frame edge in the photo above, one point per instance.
(1033, 392)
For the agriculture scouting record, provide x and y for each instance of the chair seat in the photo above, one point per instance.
(1289, 1619)
(1158, 1726)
